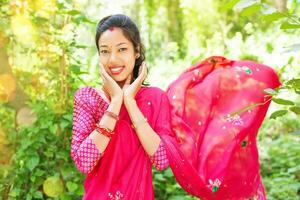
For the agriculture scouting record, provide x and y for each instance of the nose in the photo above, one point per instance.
(113, 59)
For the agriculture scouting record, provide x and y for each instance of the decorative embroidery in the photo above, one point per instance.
(244, 143)
(235, 120)
(246, 69)
(159, 159)
(117, 196)
(214, 185)
(255, 197)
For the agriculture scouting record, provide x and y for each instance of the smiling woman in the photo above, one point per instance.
(193, 127)
(117, 54)
(116, 139)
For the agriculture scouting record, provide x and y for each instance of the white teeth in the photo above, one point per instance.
(116, 69)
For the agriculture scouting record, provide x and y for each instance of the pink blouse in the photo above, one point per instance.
(83, 150)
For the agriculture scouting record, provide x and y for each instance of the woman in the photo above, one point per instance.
(116, 131)
(204, 126)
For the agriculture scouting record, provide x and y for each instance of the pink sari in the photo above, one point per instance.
(215, 155)
(124, 170)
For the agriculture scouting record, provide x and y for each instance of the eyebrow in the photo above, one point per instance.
(116, 45)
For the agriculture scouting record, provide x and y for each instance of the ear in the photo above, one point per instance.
(137, 55)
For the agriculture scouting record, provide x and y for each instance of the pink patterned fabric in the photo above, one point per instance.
(124, 159)
(87, 156)
(159, 159)
(214, 153)
(211, 148)
(83, 151)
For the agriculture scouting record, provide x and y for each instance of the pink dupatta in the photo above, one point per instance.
(214, 154)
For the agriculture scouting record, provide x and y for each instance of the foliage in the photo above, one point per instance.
(49, 49)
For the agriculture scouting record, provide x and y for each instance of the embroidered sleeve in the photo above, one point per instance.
(83, 151)
(162, 127)
(160, 160)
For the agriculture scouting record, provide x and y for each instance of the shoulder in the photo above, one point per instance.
(84, 93)
(88, 95)
(152, 90)
(152, 93)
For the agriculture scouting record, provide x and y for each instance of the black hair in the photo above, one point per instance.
(130, 31)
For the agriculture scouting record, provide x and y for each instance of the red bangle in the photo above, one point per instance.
(111, 114)
(105, 131)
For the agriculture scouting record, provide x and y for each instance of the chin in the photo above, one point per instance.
(120, 79)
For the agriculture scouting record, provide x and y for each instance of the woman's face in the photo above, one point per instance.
(117, 54)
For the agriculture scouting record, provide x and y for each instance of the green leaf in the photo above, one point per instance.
(72, 186)
(251, 10)
(287, 25)
(80, 190)
(283, 101)
(74, 12)
(278, 113)
(270, 91)
(68, 117)
(15, 192)
(159, 177)
(242, 4)
(272, 17)
(81, 46)
(32, 163)
(53, 186)
(229, 5)
(176, 197)
(295, 109)
(295, 83)
(168, 173)
(38, 195)
(39, 172)
(53, 128)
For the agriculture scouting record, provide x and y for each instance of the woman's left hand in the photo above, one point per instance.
(130, 90)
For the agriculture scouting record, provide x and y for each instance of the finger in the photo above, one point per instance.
(140, 68)
(144, 72)
(101, 72)
(104, 72)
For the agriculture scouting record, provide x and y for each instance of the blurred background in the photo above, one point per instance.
(47, 52)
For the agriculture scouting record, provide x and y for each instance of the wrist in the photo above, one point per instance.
(117, 100)
(129, 100)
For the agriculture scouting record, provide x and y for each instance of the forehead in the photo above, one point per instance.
(113, 37)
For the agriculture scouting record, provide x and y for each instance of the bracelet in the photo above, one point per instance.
(105, 131)
(135, 125)
(111, 114)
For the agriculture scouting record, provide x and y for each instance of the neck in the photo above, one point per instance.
(121, 83)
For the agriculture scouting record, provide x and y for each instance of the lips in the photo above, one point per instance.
(115, 70)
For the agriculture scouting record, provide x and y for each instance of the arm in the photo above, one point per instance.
(147, 136)
(101, 141)
(149, 139)
(87, 144)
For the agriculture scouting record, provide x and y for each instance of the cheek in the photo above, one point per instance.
(130, 60)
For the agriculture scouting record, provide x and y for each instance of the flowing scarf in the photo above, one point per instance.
(217, 107)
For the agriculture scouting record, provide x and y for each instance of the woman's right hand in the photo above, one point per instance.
(110, 86)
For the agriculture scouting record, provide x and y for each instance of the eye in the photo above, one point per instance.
(123, 49)
(103, 51)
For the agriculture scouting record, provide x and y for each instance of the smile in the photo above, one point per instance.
(116, 70)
